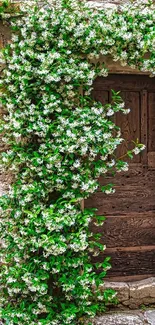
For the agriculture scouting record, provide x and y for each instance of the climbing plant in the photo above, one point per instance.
(8, 9)
(3, 7)
(59, 141)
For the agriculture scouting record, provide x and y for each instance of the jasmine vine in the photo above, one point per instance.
(7, 9)
(3, 7)
(60, 140)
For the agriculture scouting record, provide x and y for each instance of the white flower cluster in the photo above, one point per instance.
(60, 141)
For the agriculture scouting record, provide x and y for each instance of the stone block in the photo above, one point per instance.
(143, 289)
(150, 317)
(135, 303)
(119, 319)
(121, 288)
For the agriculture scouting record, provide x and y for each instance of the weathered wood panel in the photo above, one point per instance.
(129, 124)
(134, 229)
(128, 262)
(151, 121)
(127, 82)
(135, 192)
(129, 231)
(144, 125)
(151, 160)
(129, 278)
(102, 97)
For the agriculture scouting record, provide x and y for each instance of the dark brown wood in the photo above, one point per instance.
(131, 249)
(101, 96)
(151, 122)
(134, 229)
(135, 192)
(125, 82)
(129, 124)
(144, 121)
(151, 160)
(129, 278)
(129, 263)
(129, 230)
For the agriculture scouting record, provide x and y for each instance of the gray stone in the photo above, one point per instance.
(150, 317)
(143, 289)
(147, 301)
(135, 303)
(133, 294)
(121, 288)
(119, 319)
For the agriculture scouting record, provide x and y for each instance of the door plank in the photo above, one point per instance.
(151, 122)
(135, 192)
(134, 229)
(129, 124)
(144, 122)
(129, 230)
(101, 96)
(129, 263)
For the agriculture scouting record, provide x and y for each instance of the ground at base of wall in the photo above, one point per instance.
(138, 295)
(127, 318)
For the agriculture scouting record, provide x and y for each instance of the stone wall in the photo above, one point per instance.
(133, 294)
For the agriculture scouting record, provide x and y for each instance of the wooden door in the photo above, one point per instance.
(129, 231)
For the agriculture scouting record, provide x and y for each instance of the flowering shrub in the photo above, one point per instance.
(3, 8)
(7, 9)
(59, 142)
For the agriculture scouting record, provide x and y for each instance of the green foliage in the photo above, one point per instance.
(7, 9)
(59, 142)
(3, 7)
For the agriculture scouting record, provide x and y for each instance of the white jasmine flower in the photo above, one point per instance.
(137, 150)
(76, 164)
(110, 191)
(110, 112)
(126, 111)
(111, 163)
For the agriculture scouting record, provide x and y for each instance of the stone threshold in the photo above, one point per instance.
(133, 294)
(127, 318)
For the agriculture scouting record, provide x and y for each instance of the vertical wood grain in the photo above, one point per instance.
(101, 96)
(144, 124)
(130, 123)
(151, 122)
(129, 229)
